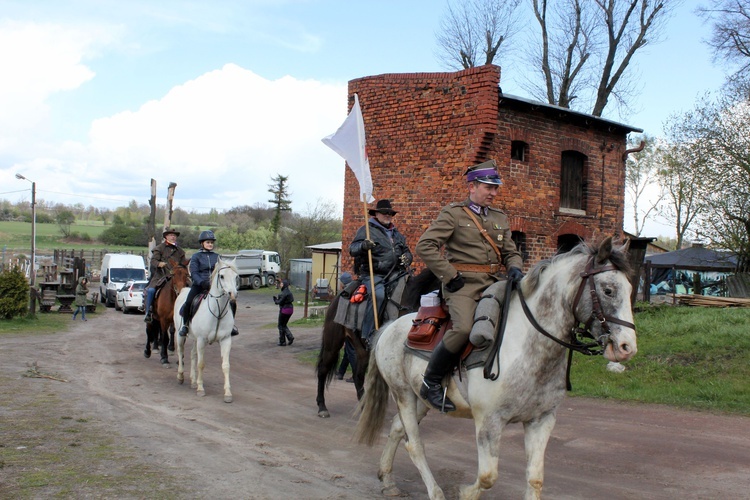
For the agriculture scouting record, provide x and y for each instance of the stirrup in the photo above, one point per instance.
(183, 331)
(443, 400)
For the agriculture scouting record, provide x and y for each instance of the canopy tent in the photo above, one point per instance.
(696, 258)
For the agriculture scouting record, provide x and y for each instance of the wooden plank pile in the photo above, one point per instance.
(710, 301)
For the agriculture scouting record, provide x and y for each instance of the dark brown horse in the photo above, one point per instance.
(334, 334)
(160, 332)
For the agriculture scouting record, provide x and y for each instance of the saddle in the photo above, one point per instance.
(431, 323)
(159, 285)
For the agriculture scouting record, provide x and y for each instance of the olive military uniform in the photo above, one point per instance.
(467, 252)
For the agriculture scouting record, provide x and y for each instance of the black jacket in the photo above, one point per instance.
(386, 256)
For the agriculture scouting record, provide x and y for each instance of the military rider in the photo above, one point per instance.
(158, 268)
(202, 264)
(468, 265)
(390, 254)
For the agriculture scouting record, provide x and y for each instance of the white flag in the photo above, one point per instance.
(349, 142)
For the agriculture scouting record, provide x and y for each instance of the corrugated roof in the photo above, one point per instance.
(334, 245)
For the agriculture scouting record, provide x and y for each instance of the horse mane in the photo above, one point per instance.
(618, 257)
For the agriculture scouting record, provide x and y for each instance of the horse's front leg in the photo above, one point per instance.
(181, 359)
(147, 350)
(488, 429)
(164, 341)
(196, 365)
(226, 347)
(171, 337)
(536, 436)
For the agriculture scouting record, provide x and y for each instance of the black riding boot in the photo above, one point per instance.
(282, 338)
(289, 336)
(441, 363)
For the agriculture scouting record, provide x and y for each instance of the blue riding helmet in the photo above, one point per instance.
(206, 236)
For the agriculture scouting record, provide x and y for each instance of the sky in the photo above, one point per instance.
(97, 97)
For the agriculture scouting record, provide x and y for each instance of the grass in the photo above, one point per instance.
(16, 236)
(44, 323)
(697, 358)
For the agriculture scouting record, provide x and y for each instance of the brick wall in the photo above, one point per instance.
(425, 129)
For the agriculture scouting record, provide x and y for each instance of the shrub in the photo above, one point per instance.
(14, 293)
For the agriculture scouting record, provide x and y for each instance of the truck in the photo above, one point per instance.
(256, 268)
(118, 269)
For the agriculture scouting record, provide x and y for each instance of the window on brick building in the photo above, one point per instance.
(519, 150)
(519, 238)
(566, 242)
(573, 180)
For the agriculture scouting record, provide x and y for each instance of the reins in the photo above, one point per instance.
(578, 332)
(222, 308)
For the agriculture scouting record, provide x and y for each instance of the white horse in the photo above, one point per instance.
(211, 322)
(531, 379)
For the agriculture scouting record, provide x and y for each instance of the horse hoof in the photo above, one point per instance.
(146, 353)
(165, 361)
(227, 399)
(392, 492)
(324, 414)
(201, 393)
(181, 380)
(171, 347)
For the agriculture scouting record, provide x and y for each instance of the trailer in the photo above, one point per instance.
(256, 268)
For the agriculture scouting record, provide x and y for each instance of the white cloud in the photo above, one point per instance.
(221, 137)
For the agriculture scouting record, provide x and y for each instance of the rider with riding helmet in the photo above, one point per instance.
(477, 240)
(390, 254)
(202, 265)
(158, 269)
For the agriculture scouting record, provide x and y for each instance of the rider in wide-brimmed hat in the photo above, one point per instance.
(161, 255)
(390, 254)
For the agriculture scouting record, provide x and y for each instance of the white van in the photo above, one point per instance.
(118, 269)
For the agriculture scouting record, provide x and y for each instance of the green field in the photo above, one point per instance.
(16, 237)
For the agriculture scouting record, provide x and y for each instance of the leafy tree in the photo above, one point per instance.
(280, 201)
(641, 175)
(120, 234)
(65, 219)
(319, 224)
(473, 31)
(14, 293)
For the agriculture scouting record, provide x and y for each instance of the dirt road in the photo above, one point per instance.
(270, 444)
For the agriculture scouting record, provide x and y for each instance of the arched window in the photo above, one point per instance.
(519, 151)
(566, 242)
(519, 238)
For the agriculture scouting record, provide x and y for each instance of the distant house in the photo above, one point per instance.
(563, 171)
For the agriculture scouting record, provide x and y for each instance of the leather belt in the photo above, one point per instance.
(477, 268)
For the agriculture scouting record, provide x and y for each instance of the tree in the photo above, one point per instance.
(641, 176)
(471, 28)
(14, 293)
(65, 219)
(730, 37)
(581, 53)
(280, 201)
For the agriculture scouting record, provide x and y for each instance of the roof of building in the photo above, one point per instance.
(562, 113)
(334, 245)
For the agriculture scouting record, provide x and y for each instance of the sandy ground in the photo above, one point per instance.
(270, 444)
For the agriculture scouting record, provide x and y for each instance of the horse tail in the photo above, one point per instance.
(372, 406)
(331, 341)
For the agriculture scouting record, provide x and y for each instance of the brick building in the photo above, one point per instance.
(563, 172)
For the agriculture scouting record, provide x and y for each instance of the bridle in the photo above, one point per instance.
(582, 330)
(223, 309)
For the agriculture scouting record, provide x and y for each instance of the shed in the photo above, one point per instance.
(326, 262)
(298, 269)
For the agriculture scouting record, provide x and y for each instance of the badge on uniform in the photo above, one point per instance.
(495, 226)
(499, 238)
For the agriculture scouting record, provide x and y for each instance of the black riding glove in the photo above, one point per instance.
(455, 284)
(515, 274)
(368, 245)
(206, 285)
(406, 259)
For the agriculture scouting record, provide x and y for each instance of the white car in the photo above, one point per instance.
(131, 296)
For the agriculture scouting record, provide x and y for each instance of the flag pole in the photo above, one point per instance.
(372, 274)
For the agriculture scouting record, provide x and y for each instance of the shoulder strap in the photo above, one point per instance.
(483, 231)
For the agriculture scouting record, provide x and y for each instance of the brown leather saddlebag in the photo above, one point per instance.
(428, 328)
